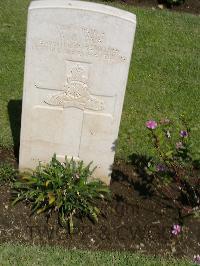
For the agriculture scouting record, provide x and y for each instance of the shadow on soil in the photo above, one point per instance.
(14, 112)
(135, 175)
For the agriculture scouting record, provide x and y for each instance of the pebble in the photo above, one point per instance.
(92, 240)
(141, 245)
(160, 6)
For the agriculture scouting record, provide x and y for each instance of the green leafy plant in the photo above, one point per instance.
(176, 173)
(7, 172)
(66, 188)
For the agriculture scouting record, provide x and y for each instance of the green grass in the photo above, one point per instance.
(32, 255)
(7, 173)
(163, 80)
(164, 76)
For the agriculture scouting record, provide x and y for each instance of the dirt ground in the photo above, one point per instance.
(189, 6)
(135, 220)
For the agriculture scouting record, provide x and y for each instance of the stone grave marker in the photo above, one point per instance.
(76, 68)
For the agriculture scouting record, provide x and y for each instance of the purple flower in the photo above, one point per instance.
(183, 133)
(151, 124)
(197, 259)
(160, 168)
(179, 145)
(176, 229)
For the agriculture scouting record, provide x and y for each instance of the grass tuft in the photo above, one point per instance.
(163, 80)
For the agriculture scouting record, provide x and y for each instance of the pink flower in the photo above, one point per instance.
(151, 124)
(179, 145)
(176, 229)
(197, 259)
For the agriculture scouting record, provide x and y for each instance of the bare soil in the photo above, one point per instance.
(189, 6)
(134, 220)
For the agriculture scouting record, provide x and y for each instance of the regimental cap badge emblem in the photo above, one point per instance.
(76, 93)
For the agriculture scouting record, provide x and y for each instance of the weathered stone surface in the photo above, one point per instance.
(76, 68)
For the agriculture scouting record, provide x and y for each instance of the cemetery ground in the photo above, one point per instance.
(163, 82)
(190, 6)
(134, 220)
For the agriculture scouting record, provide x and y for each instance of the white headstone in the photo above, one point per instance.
(76, 67)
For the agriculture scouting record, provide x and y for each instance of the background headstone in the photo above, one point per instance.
(76, 68)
